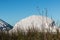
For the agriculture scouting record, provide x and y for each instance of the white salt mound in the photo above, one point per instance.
(35, 21)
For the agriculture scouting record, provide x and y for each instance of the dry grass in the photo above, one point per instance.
(31, 35)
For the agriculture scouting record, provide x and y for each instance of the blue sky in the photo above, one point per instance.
(12, 11)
